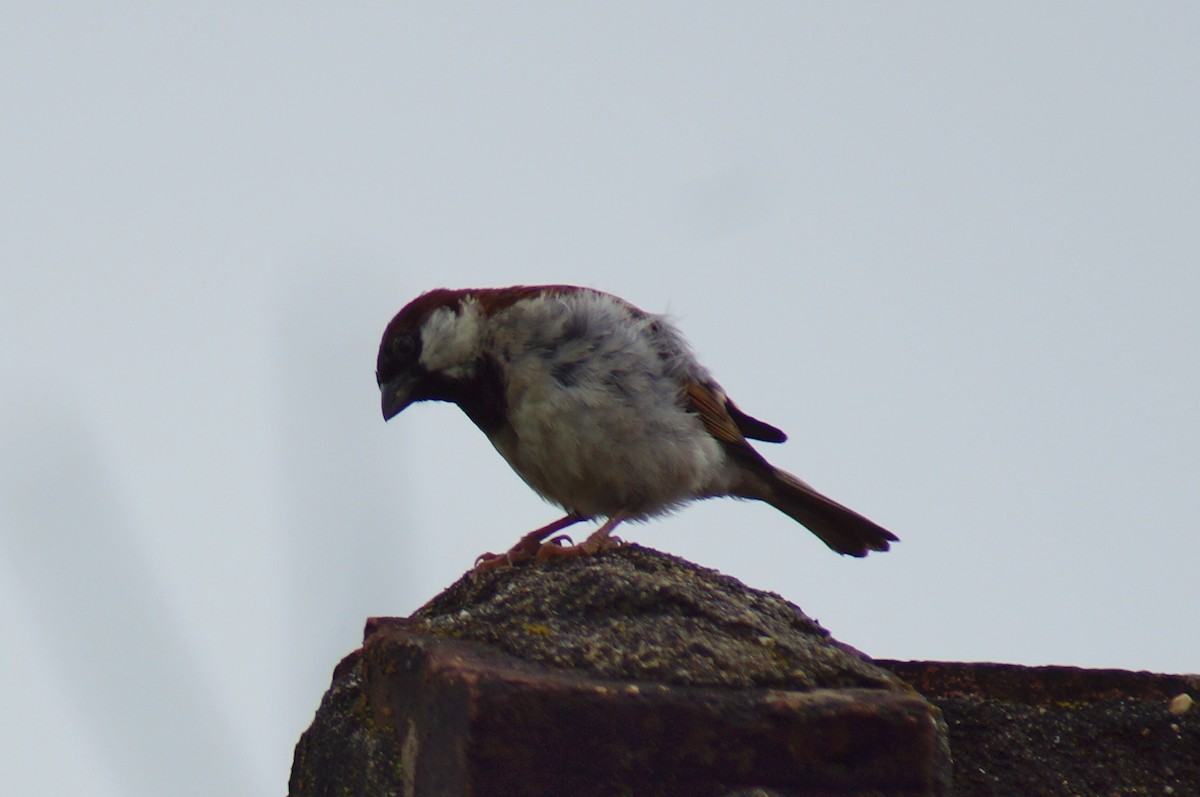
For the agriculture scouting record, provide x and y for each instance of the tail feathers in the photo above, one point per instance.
(842, 529)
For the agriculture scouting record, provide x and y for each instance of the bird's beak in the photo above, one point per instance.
(397, 394)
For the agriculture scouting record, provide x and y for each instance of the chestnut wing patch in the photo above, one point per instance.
(714, 411)
(711, 409)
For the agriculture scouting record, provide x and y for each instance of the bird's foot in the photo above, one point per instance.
(590, 547)
(513, 556)
(528, 547)
(599, 540)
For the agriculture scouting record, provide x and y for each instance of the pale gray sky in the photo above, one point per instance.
(952, 249)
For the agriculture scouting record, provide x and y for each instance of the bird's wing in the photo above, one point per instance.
(753, 427)
(711, 408)
(725, 421)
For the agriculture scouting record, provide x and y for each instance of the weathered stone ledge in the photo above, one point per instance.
(635, 673)
(1064, 731)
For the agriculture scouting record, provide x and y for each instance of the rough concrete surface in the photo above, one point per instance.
(636, 673)
(1064, 730)
(640, 614)
(629, 673)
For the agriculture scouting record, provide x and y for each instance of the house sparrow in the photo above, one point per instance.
(600, 407)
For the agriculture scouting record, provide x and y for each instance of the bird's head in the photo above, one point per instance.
(437, 349)
(430, 350)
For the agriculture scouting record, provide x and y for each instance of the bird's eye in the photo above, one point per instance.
(403, 347)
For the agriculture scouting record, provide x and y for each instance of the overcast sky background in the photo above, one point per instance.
(952, 249)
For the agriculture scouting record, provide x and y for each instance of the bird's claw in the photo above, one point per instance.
(491, 561)
(532, 547)
(593, 545)
(514, 556)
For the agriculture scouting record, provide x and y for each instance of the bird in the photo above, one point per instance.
(600, 407)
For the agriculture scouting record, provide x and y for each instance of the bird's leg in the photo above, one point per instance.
(599, 540)
(527, 547)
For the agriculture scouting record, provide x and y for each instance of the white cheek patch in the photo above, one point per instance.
(451, 341)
